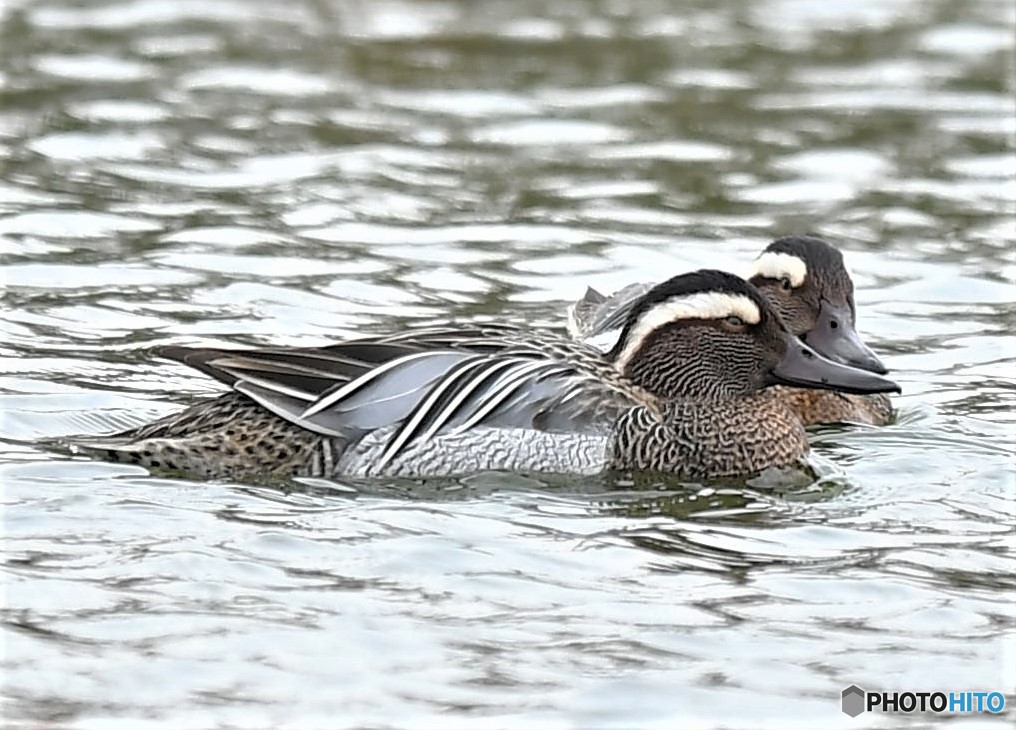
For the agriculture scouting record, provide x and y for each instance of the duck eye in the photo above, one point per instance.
(785, 283)
(735, 321)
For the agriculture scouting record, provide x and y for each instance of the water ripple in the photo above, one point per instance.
(227, 172)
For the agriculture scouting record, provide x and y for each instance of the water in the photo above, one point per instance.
(239, 173)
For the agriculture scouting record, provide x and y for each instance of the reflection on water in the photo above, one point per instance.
(226, 172)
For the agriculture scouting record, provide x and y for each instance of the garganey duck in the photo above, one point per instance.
(682, 391)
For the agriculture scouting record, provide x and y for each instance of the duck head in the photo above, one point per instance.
(711, 334)
(808, 283)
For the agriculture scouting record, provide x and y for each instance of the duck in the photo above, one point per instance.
(682, 392)
(807, 281)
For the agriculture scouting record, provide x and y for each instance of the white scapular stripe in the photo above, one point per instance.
(356, 384)
(702, 305)
(774, 265)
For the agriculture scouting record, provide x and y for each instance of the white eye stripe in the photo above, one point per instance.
(702, 305)
(774, 265)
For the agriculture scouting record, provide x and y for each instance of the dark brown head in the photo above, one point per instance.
(711, 334)
(808, 283)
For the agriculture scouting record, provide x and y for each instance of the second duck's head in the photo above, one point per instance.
(808, 283)
(711, 334)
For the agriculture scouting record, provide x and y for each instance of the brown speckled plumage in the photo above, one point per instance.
(713, 438)
(228, 437)
(814, 407)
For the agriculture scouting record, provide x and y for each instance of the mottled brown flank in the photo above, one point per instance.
(814, 407)
(229, 437)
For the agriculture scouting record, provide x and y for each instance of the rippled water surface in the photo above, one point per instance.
(228, 172)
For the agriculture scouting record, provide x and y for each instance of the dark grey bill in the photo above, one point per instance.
(802, 367)
(834, 337)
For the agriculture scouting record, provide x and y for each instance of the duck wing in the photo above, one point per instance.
(597, 319)
(415, 385)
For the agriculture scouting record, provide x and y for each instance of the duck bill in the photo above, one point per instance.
(802, 367)
(834, 337)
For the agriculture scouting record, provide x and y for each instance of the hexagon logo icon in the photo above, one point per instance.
(853, 700)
